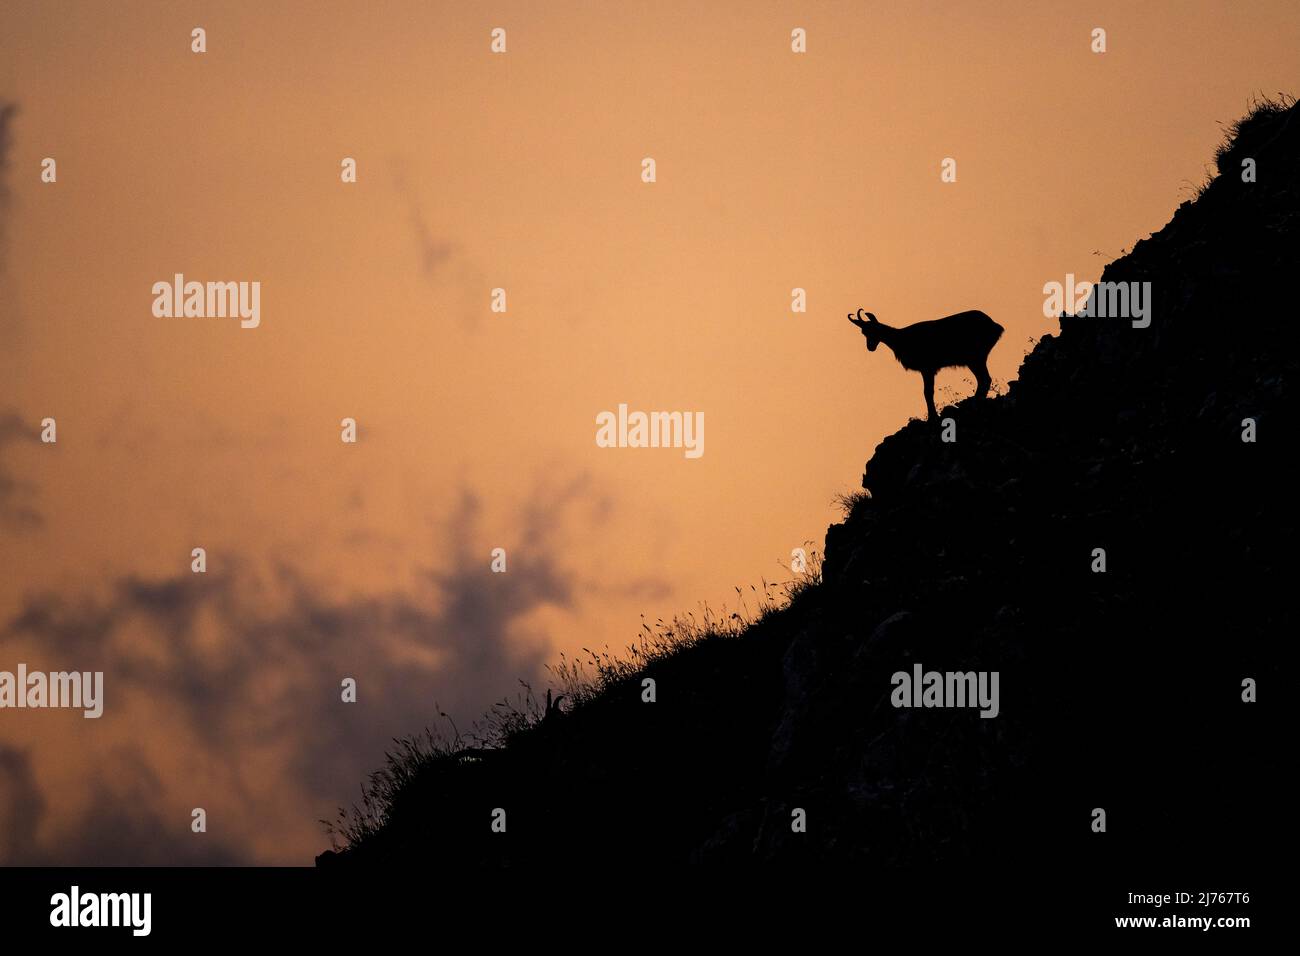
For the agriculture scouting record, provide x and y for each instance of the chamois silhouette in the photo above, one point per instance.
(552, 708)
(961, 340)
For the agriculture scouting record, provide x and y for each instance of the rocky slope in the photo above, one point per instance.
(1119, 690)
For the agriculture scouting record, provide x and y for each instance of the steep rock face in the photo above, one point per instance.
(1118, 690)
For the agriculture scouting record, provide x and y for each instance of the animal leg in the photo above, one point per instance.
(982, 379)
(927, 378)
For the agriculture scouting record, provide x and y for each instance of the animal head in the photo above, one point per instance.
(870, 328)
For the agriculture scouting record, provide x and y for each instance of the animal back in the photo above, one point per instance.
(955, 340)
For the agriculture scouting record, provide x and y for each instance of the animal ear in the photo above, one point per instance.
(871, 318)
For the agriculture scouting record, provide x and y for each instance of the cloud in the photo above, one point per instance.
(9, 311)
(16, 513)
(236, 676)
(7, 113)
(22, 807)
(462, 285)
(119, 822)
(434, 251)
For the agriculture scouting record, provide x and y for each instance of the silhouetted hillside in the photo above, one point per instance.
(1119, 690)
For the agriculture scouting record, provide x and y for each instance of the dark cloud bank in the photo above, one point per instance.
(274, 678)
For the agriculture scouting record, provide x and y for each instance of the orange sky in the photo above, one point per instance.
(476, 171)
